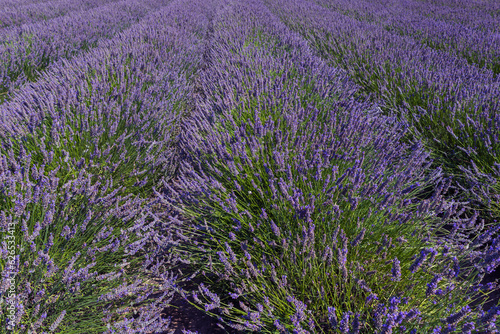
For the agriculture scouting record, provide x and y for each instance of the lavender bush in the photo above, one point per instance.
(65, 248)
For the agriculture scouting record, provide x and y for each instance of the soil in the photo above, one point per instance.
(187, 317)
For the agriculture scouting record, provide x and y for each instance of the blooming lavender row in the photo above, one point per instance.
(12, 3)
(370, 47)
(361, 10)
(302, 197)
(480, 16)
(465, 11)
(29, 49)
(476, 45)
(51, 233)
(452, 105)
(27, 13)
(77, 166)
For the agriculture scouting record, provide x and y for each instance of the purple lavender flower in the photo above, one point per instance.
(432, 286)
(344, 322)
(358, 238)
(332, 317)
(454, 318)
(388, 325)
(396, 270)
(468, 327)
(356, 325)
(57, 322)
(418, 262)
(488, 319)
(379, 313)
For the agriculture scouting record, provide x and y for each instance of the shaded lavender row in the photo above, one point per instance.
(79, 159)
(476, 45)
(452, 106)
(27, 13)
(29, 49)
(279, 161)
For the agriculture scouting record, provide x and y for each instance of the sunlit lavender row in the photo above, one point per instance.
(29, 49)
(301, 188)
(478, 41)
(25, 13)
(284, 166)
(477, 15)
(452, 105)
(81, 150)
(11, 3)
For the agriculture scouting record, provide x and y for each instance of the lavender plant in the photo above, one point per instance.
(305, 219)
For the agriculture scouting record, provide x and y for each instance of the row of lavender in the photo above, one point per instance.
(28, 49)
(81, 150)
(451, 105)
(477, 15)
(15, 13)
(475, 37)
(305, 203)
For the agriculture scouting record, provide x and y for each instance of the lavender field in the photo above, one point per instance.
(279, 166)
